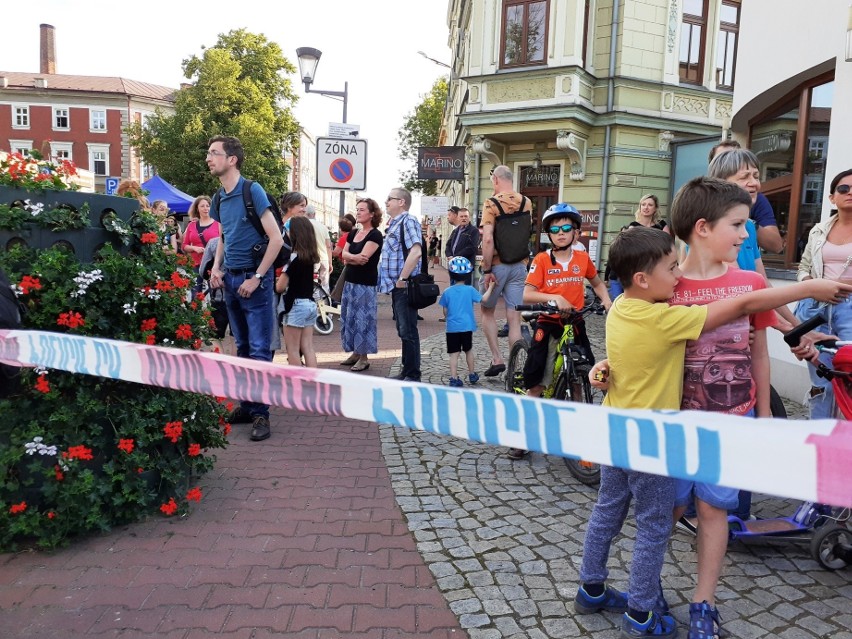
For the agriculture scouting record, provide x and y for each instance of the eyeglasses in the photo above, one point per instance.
(393, 198)
(565, 228)
(843, 189)
(216, 154)
(491, 173)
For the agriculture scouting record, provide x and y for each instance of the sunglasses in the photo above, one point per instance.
(843, 189)
(565, 228)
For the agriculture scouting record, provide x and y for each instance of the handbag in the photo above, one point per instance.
(422, 291)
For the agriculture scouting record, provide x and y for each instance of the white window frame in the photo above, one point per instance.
(66, 149)
(56, 116)
(98, 148)
(92, 121)
(24, 147)
(24, 113)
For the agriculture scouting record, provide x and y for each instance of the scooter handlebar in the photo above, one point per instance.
(794, 336)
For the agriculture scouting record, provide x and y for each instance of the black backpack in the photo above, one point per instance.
(512, 233)
(260, 249)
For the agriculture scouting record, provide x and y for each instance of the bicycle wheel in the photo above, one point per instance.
(324, 327)
(515, 368)
(580, 390)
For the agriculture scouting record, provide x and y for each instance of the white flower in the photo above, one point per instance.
(34, 208)
(85, 279)
(36, 446)
(129, 308)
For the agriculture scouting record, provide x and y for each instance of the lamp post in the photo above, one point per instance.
(308, 60)
(438, 62)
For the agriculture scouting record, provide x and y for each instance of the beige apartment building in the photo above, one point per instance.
(588, 100)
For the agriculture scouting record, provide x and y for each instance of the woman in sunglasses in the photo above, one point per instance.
(829, 254)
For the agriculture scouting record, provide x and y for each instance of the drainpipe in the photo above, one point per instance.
(476, 187)
(610, 99)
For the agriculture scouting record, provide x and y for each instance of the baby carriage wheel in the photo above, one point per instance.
(831, 546)
(324, 327)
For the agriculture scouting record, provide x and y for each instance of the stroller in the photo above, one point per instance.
(828, 530)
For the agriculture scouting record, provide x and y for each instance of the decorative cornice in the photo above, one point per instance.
(489, 148)
(574, 147)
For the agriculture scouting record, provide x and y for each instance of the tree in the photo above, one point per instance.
(237, 90)
(422, 127)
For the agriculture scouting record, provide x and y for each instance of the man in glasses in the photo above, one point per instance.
(401, 257)
(248, 284)
(464, 240)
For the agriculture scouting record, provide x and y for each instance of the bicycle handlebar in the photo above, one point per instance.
(794, 336)
(550, 308)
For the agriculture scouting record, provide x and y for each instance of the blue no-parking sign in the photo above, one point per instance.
(111, 185)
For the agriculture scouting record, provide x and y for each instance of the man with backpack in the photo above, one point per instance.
(244, 265)
(506, 229)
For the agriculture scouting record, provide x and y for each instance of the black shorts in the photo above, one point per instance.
(459, 341)
(534, 367)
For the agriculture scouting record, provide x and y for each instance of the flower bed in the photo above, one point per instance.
(82, 453)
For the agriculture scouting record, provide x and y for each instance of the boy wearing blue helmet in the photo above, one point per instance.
(557, 275)
(458, 300)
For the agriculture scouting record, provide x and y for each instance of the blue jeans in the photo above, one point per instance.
(406, 327)
(251, 320)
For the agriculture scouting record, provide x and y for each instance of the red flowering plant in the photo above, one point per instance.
(80, 453)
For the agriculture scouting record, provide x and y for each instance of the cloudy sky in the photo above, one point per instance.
(373, 45)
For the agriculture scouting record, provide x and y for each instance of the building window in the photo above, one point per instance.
(791, 142)
(693, 31)
(97, 119)
(99, 159)
(24, 147)
(61, 119)
(60, 151)
(524, 32)
(21, 117)
(726, 45)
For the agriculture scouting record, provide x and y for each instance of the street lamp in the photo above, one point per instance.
(438, 62)
(308, 60)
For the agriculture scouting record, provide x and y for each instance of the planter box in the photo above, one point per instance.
(84, 243)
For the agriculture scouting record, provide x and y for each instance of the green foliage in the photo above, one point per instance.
(17, 215)
(80, 453)
(237, 89)
(422, 127)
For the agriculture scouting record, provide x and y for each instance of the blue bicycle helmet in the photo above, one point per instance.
(560, 210)
(459, 265)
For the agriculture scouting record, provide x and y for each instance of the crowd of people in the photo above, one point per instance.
(696, 278)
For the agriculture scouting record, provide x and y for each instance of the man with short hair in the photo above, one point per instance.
(323, 243)
(401, 256)
(464, 240)
(508, 279)
(246, 277)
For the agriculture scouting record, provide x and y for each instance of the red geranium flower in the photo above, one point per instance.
(194, 450)
(150, 238)
(227, 429)
(51, 514)
(79, 452)
(42, 385)
(70, 319)
(184, 331)
(149, 324)
(169, 508)
(29, 284)
(194, 494)
(179, 280)
(126, 445)
(150, 340)
(173, 431)
(58, 472)
(18, 508)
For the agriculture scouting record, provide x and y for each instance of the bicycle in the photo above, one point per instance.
(570, 381)
(324, 323)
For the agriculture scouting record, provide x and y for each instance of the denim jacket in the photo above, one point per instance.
(811, 261)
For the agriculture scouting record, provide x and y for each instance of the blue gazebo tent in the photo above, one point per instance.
(159, 189)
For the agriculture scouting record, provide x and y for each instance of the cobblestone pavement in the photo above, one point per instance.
(504, 541)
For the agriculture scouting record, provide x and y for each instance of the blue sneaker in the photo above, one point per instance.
(655, 626)
(703, 621)
(456, 382)
(611, 600)
(473, 378)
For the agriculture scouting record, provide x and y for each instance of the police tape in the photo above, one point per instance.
(808, 460)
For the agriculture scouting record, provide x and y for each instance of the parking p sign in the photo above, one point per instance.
(111, 185)
(341, 164)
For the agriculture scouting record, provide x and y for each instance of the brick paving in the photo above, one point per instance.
(338, 528)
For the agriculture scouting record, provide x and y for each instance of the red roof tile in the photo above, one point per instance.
(92, 83)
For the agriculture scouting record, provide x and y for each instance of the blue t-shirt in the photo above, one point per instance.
(459, 299)
(240, 235)
(762, 213)
(749, 251)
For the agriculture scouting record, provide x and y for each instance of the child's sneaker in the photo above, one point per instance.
(611, 600)
(473, 378)
(456, 382)
(655, 626)
(703, 621)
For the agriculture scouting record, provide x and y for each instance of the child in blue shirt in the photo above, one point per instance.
(458, 301)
